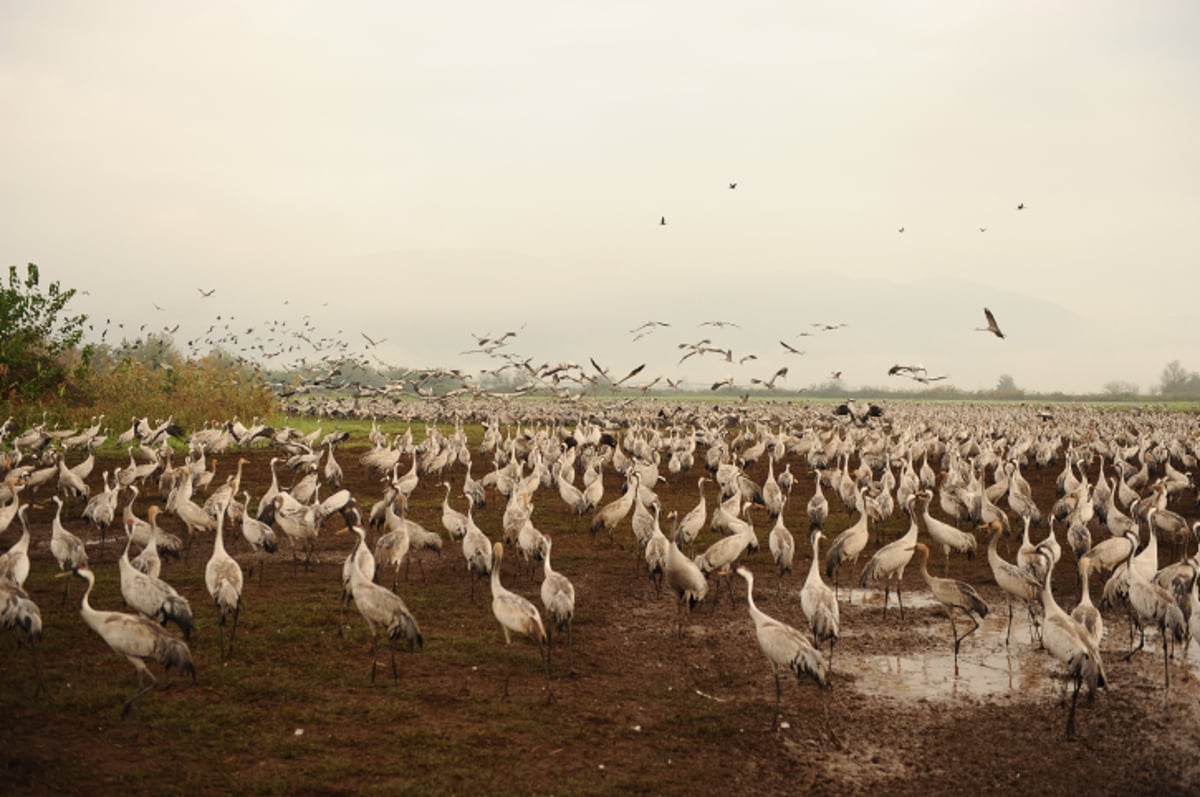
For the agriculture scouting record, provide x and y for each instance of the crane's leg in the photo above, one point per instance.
(1071, 712)
(374, 654)
(954, 630)
(1141, 643)
(392, 651)
(832, 642)
(1166, 659)
(128, 705)
(507, 665)
(900, 597)
(237, 610)
(778, 697)
(221, 636)
(887, 588)
(946, 571)
(544, 650)
(549, 640)
(1008, 636)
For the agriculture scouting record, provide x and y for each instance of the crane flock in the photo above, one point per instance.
(877, 472)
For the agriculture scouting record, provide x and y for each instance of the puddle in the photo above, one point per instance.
(986, 668)
(920, 599)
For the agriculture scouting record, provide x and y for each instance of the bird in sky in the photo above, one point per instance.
(718, 324)
(1021, 206)
(992, 326)
(663, 221)
(727, 381)
(835, 375)
(900, 230)
(732, 186)
(650, 325)
(205, 294)
(983, 229)
(907, 370)
(371, 341)
(769, 384)
(790, 349)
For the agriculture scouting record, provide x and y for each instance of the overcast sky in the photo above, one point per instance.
(429, 170)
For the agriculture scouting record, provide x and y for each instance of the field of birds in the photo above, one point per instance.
(657, 683)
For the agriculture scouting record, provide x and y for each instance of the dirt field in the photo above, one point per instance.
(294, 711)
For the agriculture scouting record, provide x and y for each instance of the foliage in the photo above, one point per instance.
(38, 341)
(1006, 387)
(1176, 382)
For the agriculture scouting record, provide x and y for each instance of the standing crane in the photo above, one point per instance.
(136, 638)
(889, 561)
(953, 595)
(516, 615)
(696, 517)
(558, 598)
(1017, 582)
(223, 577)
(819, 602)
(152, 596)
(848, 545)
(784, 646)
(1153, 605)
(19, 613)
(453, 521)
(380, 607)
(477, 550)
(68, 549)
(261, 537)
(685, 580)
(782, 546)
(946, 535)
(1069, 642)
(14, 563)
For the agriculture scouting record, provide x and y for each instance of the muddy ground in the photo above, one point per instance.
(294, 710)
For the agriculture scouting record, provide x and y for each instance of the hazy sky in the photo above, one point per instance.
(436, 169)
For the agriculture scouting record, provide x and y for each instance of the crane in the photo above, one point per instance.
(784, 646)
(558, 598)
(516, 615)
(477, 550)
(380, 607)
(1152, 604)
(946, 535)
(223, 577)
(819, 602)
(889, 562)
(850, 543)
(261, 537)
(953, 595)
(1069, 642)
(136, 638)
(1017, 582)
(19, 613)
(14, 563)
(152, 596)
(782, 546)
(68, 549)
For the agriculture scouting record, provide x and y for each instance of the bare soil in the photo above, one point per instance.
(294, 709)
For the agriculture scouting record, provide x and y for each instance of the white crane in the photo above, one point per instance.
(558, 598)
(380, 608)
(946, 535)
(136, 638)
(685, 580)
(14, 563)
(848, 545)
(1153, 605)
(477, 550)
(152, 596)
(516, 615)
(453, 521)
(782, 546)
(819, 601)
(696, 517)
(953, 595)
(1085, 613)
(223, 577)
(260, 536)
(784, 646)
(68, 549)
(818, 506)
(19, 613)
(1069, 642)
(1017, 582)
(889, 562)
